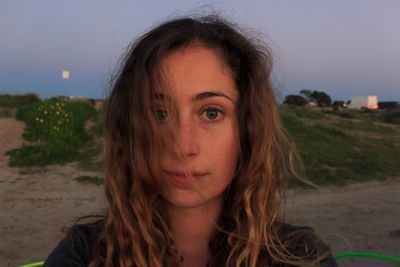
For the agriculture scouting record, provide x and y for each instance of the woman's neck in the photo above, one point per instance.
(192, 229)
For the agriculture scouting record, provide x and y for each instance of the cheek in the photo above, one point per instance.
(228, 153)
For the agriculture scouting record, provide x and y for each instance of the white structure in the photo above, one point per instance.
(65, 74)
(366, 102)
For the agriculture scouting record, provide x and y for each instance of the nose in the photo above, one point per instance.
(187, 140)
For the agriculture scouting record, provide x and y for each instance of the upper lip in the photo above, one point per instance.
(181, 173)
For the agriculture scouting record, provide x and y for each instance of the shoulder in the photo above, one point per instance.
(76, 248)
(303, 241)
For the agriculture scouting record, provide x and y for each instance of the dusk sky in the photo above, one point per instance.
(343, 47)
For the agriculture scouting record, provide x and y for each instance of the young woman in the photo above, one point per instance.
(197, 160)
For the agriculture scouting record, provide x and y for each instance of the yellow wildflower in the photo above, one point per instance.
(37, 118)
(57, 113)
(41, 120)
(45, 112)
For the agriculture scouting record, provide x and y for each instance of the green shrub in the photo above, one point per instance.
(57, 128)
(296, 100)
(40, 155)
(7, 100)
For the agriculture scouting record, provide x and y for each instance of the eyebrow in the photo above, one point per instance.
(197, 97)
(209, 94)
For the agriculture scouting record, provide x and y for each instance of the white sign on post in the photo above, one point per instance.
(65, 74)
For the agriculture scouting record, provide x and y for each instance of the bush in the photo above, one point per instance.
(388, 105)
(7, 100)
(297, 100)
(58, 129)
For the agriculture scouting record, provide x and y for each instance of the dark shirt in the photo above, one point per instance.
(76, 249)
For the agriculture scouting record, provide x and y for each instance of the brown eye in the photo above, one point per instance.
(161, 114)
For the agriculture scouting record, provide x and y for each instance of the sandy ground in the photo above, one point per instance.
(36, 203)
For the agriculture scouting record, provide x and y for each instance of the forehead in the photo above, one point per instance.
(195, 69)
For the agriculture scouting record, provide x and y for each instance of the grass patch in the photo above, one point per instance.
(366, 126)
(348, 114)
(33, 170)
(302, 112)
(87, 161)
(391, 116)
(333, 153)
(85, 179)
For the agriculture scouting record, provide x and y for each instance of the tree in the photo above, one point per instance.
(297, 100)
(321, 98)
(338, 103)
(306, 93)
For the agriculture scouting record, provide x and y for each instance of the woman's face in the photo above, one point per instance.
(204, 96)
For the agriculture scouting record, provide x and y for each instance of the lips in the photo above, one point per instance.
(184, 179)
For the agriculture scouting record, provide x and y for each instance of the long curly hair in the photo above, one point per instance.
(136, 231)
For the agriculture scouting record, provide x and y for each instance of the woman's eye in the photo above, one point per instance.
(212, 114)
(161, 114)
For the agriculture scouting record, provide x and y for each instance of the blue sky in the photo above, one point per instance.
(342, 47)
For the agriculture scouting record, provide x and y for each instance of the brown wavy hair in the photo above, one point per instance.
(248, 233)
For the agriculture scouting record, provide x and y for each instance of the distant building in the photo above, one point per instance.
(363, 102)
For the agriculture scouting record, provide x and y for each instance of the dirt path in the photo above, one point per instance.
(357, 217)
(36, 203)
(10, 137)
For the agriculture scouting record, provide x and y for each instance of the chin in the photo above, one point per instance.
(190, 199)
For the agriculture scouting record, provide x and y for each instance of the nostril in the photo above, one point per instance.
(191, 155)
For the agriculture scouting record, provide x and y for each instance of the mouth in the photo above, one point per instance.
(184, 178)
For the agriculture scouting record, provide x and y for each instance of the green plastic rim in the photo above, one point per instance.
(33, 264)
(366, 254)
